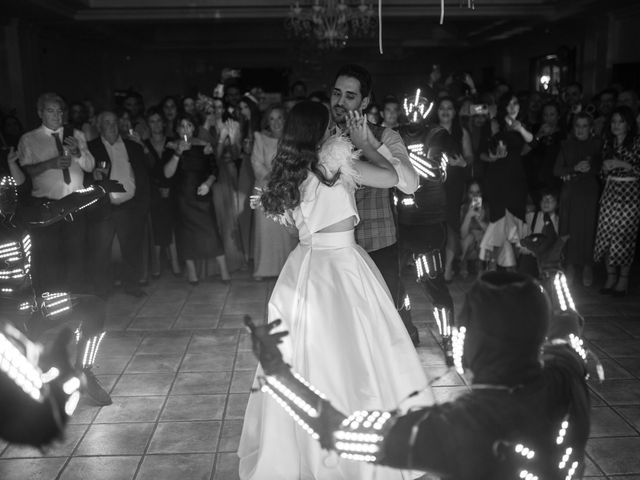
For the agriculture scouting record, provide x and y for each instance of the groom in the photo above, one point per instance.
(376, 232)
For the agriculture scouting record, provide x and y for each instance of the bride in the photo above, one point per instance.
(346, 337)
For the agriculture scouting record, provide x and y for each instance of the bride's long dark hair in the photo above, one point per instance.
(297, 154)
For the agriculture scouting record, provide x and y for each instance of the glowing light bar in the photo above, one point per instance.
(420, 106)
(408, 202)
(428, 264)
(91, 350)
(407, 303)
(563, 431)
(305, 426)
(525, 475)
(563, 294)
(50, 375)
(577, 344)
(457, 342)
(525, 451)
(278, 386)
(443, 320)
(359, 438)
(565, 458)
(55, 303)
(17, 367)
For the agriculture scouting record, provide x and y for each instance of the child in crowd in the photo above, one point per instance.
(545, 221)
(475, 220)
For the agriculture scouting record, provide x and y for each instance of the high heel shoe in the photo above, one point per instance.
(606, 291)
(194, 282)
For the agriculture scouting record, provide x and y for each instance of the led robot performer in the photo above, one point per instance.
(39, 390)
(35, 311)
(526, 415)
(422, 216)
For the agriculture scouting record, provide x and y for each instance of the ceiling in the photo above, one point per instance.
(243, 24)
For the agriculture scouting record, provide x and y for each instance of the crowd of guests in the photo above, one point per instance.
(518, 163)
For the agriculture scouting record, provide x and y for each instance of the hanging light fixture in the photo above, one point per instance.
(330, 23)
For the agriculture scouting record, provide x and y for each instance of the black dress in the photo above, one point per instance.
(198, 236)
(163, 202)
(505, 182)
(454, 186)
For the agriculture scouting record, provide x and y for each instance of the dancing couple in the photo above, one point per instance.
(346, 336)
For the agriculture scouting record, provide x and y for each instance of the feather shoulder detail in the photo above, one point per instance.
(337, 156)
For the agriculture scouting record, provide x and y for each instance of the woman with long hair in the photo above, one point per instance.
(452, 139)
(505, 183)
(223, 134)
(619, 214)
(346, 336)
(272, 242)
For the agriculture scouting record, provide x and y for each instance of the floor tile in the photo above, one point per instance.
(236, 321)
(230, 436)
(131, 409)
(185, 437)
(632, 365)
(101, 468)
(85, 413)
(605, 422)
(60, 448)
(178, 466)
(111, 364)
(214, 362)
(144, 384)
(154, 363)
(31, 469)
(242, 381)
(201, 383)
(152, 323)
(620, 348)
(246, 361)
(631, 414)
(226, 466)
(167, 345)
(197, 321)
(164, 309)
(116, 439)
(118, 346)
(620, 392)
(236, 406)
(193, 407)
(208, 343)
(615, 369)
(606, 453)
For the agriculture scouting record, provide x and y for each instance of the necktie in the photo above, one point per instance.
(65, 171)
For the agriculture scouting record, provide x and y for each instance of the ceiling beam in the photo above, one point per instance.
(510, 10)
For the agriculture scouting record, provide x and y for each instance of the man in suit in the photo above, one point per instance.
(376, 232)
(56, 158)
(120, 213)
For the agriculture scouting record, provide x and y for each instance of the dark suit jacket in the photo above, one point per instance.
(139, 204)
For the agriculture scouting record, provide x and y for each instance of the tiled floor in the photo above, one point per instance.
(179, 368)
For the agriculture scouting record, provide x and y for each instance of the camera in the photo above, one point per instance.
(482, 109)
(476, 203)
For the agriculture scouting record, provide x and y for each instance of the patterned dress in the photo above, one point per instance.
(619, 214)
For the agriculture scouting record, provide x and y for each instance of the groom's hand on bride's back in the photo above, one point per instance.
(265, 345)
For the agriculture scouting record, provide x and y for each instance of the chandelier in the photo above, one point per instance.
(330, 23)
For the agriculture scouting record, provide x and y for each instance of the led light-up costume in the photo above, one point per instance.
(42, 310)
(421, 218)
(525, 417)
(39, 390)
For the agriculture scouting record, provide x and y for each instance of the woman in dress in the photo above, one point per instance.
(578, 165)
(620, 203)
(163, 202)
(169, 107)
(453, 140)
(505, 184)
(346, 336)
(249, 125)
(272, 242)
(193, 166)
(541, 160)
(223, 134)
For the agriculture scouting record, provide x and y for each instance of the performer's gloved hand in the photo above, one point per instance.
(265, 345)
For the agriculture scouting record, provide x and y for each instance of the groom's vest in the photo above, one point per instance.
(377, 227)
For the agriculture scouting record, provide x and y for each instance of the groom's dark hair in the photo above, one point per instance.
(359, 73)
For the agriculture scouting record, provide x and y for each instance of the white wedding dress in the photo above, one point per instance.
(346, 338)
